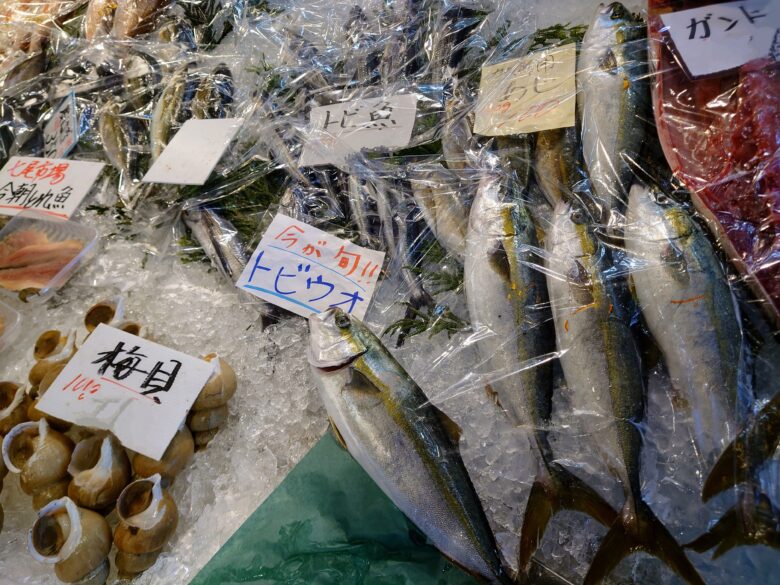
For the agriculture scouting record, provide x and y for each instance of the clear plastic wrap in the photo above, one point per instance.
(590, 376)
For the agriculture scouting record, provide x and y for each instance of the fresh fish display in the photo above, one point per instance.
(690, 310)
(400, 439)
(603, 371)
(123, 140)
(613, 99)
(509, 309)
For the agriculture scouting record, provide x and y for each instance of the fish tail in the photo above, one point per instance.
(638, 529)
(729, 470)
(556, 489)
(733, 530)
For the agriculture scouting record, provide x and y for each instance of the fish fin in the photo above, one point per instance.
(450, 427)
(730, 469)
(358, 382)
(608, 61)
(493, 395)
(499, 260)
(337, 434)
(556, 489)
(638, 529)
(730, 531)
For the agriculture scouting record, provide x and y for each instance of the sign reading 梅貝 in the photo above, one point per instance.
(528, 94)
(50, 185)
(139, 390)
(306, 270)
(720, 37)
(340, 130)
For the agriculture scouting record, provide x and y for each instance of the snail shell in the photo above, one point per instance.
(51, 349)
(175, 458)
(75, 540)
(104, 312)
(40, 455)
(32, 411)
(100, 470)
(13, 406)
(147, 519)
(209, 411)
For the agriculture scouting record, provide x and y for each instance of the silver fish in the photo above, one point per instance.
(167, 111)
(123, 142)
(219, 239)
(402, 441)
(439, 195)
(613, 99)
(603, 372)
(507, 298)
(690, 309)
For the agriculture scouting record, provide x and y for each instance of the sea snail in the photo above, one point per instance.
(40, 455)
(100, 470)
(75, 540)
(176, 457)
(147, 519)
(111, 312)
(13, 406)
(51, 349)
(210, 410)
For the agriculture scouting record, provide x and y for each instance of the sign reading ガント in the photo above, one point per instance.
(720, 37)
(50, 185)
(528, 94)
(340, 130)
(139, 390)
(306, 270)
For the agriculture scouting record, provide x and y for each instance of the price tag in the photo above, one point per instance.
(53, 186)
(341, 130)
(193, 152)
(529, 94)
(61, 132)
(720, 37)
(139, 390)
(306, 270)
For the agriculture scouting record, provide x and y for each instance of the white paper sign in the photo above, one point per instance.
(137, 389)
(61, 132)
(53, 186)
(193, 152)
(719, 37)
(306, 270)
(340, 130)
(529, 94)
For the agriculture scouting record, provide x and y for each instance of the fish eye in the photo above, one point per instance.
(342, 320)
(662, 199)
(577, 216)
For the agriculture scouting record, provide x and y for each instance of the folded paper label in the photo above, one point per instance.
(306, 270)
(139, 390)
(61, 132)
(193, 152)
(720, 37)
(340, 130)
(52, 185)
(529, 94)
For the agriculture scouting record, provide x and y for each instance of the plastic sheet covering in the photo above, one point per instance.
(590, 382)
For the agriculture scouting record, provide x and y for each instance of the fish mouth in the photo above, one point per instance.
(332, 343)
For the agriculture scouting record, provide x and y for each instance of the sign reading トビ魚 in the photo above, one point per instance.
(306, 270)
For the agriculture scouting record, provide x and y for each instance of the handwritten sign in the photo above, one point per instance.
(193, 152)
(340, 130)
(306, 270)
(51, 185)
(61, 132)
(528, 94)
(137, 389)
(720, 37)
